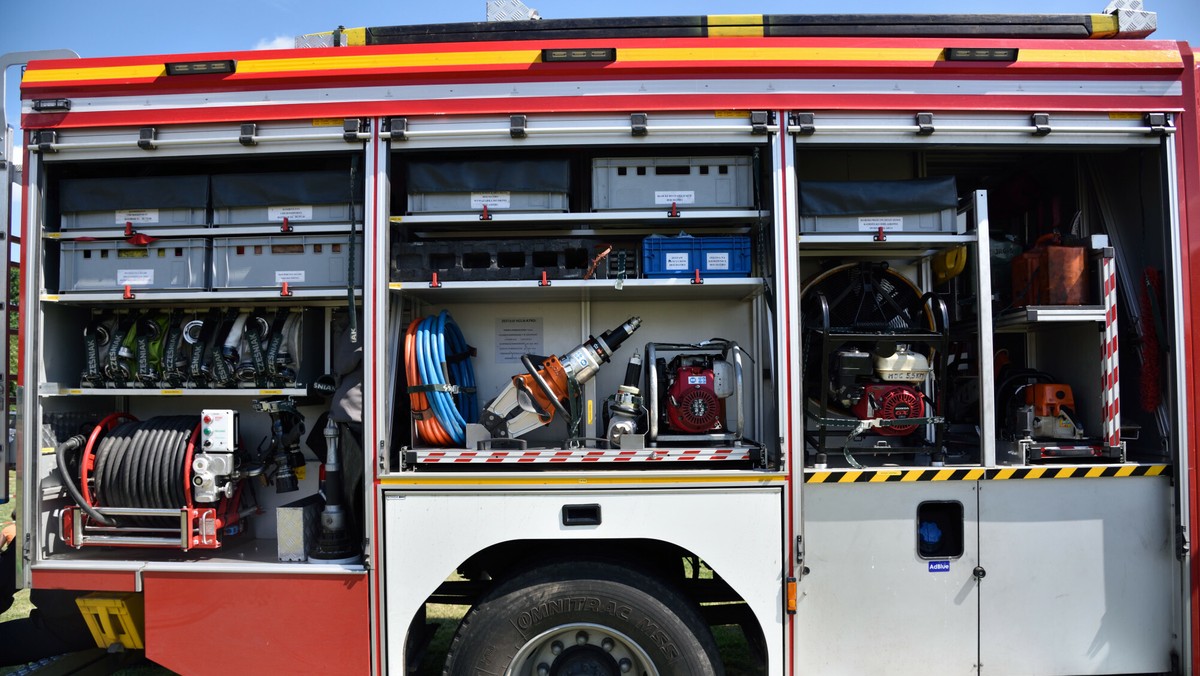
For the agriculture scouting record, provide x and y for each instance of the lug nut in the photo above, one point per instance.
(608, 645)
(625, 665)
(543, 669)
(556, 647)
(581, 638)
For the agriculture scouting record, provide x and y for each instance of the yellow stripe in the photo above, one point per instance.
(376, 61)
(1104, 25)
(975, 475)
(1036, 473)
(1099, 56)
(912, 475)
(735, 25)
(943, 475)
(1125, 470)
(884, 475)
(1005, 474)
(148, 71)
(819, 477)
(431, 480)
(1156, 470)
(849, 477)
(1065, 473)
(1095, 472)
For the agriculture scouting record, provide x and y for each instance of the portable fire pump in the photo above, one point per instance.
(688, 391)
(874, 349)
(1041, 420)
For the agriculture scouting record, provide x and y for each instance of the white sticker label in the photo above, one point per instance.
(491, 200)
(289, 276)
(677, 261)
(674, 196)
(697, 380)
(517, 336)
(299, 212)
(137, 216)
(717, 260)
(135, 277)
(874, 223)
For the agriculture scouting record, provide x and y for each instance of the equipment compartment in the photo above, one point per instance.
(685, 256)
(685, 182)
(112, 265)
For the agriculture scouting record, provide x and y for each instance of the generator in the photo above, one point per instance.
(692, 390)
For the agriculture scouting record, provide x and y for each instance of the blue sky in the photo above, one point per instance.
(126, 27)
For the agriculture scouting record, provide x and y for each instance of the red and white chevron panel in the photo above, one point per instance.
(580, 455)
(1110, 369)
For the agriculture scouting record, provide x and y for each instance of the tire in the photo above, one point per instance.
(583, 618)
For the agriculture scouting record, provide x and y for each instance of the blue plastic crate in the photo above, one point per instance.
(682, 256)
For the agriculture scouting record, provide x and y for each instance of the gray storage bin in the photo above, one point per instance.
(302, 197)
(925, 205)
(303, 261)
(111, 265)
(658, 182)
(108, 203)
(469, 186)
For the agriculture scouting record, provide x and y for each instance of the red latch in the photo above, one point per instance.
(435, 283)
(485, 216)
(128, 295)
(879, 236)
(286, 226)
(674, 212)
(285, 291)
(696, 279)
(545, 281)
(129, 229)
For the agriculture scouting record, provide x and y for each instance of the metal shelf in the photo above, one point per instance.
(659, 216)
(57, 390)
(673, 289)
(118, 232)
(1028, 318)
(150, 298)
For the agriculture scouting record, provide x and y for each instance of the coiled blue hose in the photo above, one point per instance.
(452, 410)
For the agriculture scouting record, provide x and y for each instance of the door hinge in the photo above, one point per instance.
(801, 569)
(1183, 546)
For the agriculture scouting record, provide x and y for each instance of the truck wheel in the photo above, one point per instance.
(577, 619)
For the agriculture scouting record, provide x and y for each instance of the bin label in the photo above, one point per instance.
(939, 566)
(289, 276)
(874, 223)
(677, 260)
(491, 200)
(717, 260)
(674, 196)
(298, 212)
(136, 216)
(135, 277)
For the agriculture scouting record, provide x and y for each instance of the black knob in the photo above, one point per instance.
(979, 572)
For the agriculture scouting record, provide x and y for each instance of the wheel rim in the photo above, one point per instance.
(581, 649)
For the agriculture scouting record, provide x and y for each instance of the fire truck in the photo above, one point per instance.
(867, 335)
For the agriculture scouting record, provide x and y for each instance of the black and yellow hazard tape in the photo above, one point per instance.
(979, 474)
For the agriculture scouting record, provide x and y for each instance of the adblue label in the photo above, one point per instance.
(939, 566)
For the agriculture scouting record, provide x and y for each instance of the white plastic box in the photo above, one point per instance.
(111, 265)
(658, 182)
(303, 261)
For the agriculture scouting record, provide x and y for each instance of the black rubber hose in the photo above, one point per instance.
(76, 443)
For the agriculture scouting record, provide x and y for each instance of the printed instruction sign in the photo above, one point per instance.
(674, 197)
(136, 216)
(517, 336)
(874, 223)
(717, 260)
(298, 212)
(491, 200)
(135, 277)
(677, 260)
(289, 276)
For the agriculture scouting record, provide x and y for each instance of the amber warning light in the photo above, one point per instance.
(604, 54)
(201, 67)
(981, 54)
